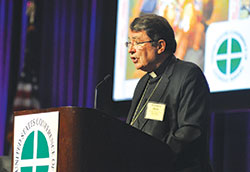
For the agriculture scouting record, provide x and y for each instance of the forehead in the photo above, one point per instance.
(139, 35)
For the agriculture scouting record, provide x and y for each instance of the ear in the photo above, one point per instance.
(161, 46)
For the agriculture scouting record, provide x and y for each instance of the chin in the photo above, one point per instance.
(138, 67)
(142, 70)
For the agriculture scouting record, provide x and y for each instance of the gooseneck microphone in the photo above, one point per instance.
(105, 80)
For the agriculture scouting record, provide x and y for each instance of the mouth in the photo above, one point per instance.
(134, 59)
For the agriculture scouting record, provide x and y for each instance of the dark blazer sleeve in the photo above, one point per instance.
(192, 111)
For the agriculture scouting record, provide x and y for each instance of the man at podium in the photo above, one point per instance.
(171, 101)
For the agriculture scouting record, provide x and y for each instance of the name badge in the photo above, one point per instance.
(155, 111)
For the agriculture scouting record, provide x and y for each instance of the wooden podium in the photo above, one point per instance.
(91, 141)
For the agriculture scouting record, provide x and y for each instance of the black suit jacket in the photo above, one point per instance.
(185, 92)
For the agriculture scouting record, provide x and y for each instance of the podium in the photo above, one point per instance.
(92, 141)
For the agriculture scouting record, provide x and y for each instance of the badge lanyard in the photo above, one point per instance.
(136, 115)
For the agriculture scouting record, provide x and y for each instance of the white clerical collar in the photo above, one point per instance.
(153, 74)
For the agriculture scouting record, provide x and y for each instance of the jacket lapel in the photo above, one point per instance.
(163, 83)
(137, 96)
(161, 87)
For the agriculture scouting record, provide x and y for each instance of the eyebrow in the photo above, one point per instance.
(134, 38)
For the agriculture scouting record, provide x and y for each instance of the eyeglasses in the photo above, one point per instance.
(128, 44)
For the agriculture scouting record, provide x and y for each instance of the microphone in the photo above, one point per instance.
(105, 80)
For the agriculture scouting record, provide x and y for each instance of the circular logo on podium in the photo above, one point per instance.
(35, 148)
(36, 153)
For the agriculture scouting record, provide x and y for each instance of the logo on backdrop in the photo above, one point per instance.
(229, 54)
(35, 148)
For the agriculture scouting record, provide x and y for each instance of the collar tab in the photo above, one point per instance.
(153, 74)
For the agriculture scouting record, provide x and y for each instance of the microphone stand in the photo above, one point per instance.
(106, 78)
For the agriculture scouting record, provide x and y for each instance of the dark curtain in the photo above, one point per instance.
(6, 8)
(10, 41)
(70, 52)
(230, 141)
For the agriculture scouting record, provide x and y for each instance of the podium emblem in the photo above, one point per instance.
(35, 142)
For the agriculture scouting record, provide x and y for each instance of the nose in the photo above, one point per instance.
(131, 49)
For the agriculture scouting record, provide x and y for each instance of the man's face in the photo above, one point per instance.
(143, 55)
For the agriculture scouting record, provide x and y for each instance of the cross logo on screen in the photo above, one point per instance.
(35, 153)
(229, 55)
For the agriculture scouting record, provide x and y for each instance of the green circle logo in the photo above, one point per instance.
(35, 143)
(229, 61)
(36, 152)
(229, 56)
